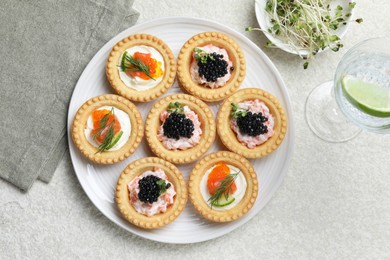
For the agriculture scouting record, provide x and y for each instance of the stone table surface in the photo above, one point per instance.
(334, 202)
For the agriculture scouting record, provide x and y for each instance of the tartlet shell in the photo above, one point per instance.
(235, 53)
(80, 122)
(138, 167)
(205, 116)
(133, 94)
(229, 137)
(243, 206)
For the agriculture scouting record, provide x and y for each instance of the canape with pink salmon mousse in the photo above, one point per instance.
(151, 193)
(211, 66)
(180, 128)
(252, 123)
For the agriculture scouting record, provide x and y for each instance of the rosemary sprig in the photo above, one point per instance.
(110, 139)
(237, 112)
(163, 186)
(128, 63)
(202, 56)
(175, 107)
(224, 189)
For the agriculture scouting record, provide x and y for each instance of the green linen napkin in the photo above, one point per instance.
(45, 45)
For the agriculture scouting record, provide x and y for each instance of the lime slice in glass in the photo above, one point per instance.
(370, 98)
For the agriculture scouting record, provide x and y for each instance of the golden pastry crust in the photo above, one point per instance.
(133, 94)
(80, 122)
(243, 206)
(137, 168)
(229, 137)
(236, 55)
(206, 119)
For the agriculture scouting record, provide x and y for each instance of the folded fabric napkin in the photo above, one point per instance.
(45, 45)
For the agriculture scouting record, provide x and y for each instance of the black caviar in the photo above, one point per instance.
(215, 67)
(149, 190)
(177, 125)
(252, 124)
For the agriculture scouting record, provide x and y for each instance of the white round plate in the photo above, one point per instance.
(99, 181)
(264, 21)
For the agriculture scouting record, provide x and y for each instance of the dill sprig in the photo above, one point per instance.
(128, 63)
(224, 189)
(175, 107)
(238, 112)
(306, 25)
(202, 56)
(103, 123)
(110, 139)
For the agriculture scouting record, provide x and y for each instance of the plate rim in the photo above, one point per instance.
(199, 21)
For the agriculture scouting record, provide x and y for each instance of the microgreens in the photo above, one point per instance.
(237, 112)
(175, 107)
(306, 24)
(163, 186)
(202, 56)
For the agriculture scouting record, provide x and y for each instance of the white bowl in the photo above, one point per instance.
(264, 21)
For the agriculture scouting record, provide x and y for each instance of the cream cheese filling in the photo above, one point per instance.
(124, 121)
(138, 83)
(238, 195)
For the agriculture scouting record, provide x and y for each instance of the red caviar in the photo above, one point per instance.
(97, 116)
(218, 174)
(153, 65)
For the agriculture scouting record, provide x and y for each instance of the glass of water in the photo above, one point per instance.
(358, 97)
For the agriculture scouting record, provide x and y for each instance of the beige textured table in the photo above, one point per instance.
(333, 204)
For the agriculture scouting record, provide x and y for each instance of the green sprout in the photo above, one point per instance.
(306, 24)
